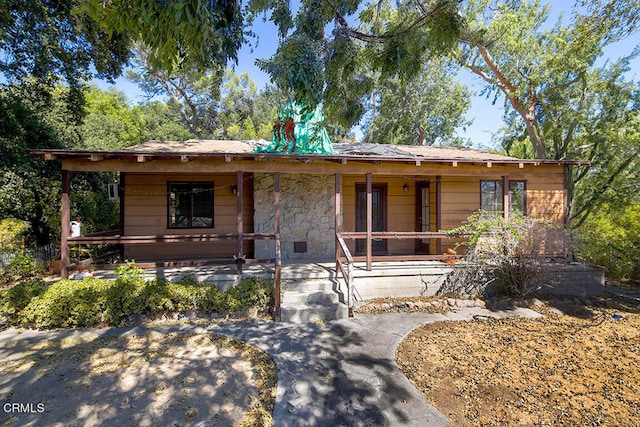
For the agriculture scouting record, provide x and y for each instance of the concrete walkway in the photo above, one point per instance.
(338, 373)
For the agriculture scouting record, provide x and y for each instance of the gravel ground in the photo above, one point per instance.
(145, 380)
(579, 365)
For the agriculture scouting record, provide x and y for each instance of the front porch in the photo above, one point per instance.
(316, 290)
(385, 278)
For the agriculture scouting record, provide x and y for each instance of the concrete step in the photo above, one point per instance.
(313, 313)
(304, 285)
(310, 298)
(306, 301)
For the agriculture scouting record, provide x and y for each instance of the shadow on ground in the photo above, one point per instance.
(125, 380)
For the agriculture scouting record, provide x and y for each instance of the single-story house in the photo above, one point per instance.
(224, 200)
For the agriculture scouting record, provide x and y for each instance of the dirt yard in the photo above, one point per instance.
(137, 381)
(578, 368)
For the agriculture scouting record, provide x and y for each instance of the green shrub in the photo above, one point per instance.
(611, 238)
(251, 292)
(129, 272)
(92, 301)
(21, 266)
(13, 300)
(69, 303)
(11, 233)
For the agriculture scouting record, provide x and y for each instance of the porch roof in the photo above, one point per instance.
(342, 151)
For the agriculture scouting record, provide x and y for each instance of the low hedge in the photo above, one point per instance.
(100, 302)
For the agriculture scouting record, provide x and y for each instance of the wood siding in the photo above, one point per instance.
(146, 214)
(460, 199)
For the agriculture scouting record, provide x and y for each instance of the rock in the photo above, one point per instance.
(556, 311)
(401, 304)
(385, 306)
(451, 302)
(191, 315)
(465, 303)
(410, 304)
(535, 302)
(479, 303)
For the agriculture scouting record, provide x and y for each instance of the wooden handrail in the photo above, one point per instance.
(165, 238)
(345, 248)
(348, 274)
(397, 235)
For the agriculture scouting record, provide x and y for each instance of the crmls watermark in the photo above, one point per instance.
(23, 408)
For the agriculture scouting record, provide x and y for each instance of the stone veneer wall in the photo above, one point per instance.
(307, 214)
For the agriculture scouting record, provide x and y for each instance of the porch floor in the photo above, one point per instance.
(291, 270)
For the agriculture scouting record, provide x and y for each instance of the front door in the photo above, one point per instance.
(379, 216)
(423, 215)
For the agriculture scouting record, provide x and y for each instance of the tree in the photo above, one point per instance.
(390, 38)
(177, 35)
(558, 103)
(425, 110)
(51, 39)
(192, 91)
(28, 187)
(556, 100)
(159, 120)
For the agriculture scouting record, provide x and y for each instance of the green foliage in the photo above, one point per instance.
(424, 110)
(91, 302)
(129, 272)
(47, 41)
(28, 188)
(22, 265)
(251, 292)
(336, 69)
(14, 299)
(611, 238)
(203, 34)
(11, 233)
(110, 123)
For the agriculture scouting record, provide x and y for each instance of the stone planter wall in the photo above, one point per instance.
(307, 215)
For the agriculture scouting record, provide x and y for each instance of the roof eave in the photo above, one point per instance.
(53, 154)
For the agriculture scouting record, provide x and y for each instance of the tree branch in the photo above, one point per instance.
(381, 38)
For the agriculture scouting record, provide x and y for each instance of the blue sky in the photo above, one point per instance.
(486, 117)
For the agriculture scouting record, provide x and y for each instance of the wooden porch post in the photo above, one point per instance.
(565, 198)
(121, 188)
(239, 223)
(505, 197)
(438, 212)
(65, 224)
(278, 267)
(338, 213)
(369, 220)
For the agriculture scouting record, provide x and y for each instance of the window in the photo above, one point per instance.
(491, 196)
(518, 197)
(190, 204)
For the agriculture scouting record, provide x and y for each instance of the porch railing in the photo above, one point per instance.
(116, 237)
(346, 269)
(345, 260)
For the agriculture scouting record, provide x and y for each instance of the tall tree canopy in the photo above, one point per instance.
(425, 110)
(560, 102)
(390, 38)
(201, 34)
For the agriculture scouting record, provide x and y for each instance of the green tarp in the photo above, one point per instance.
(298, 132)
